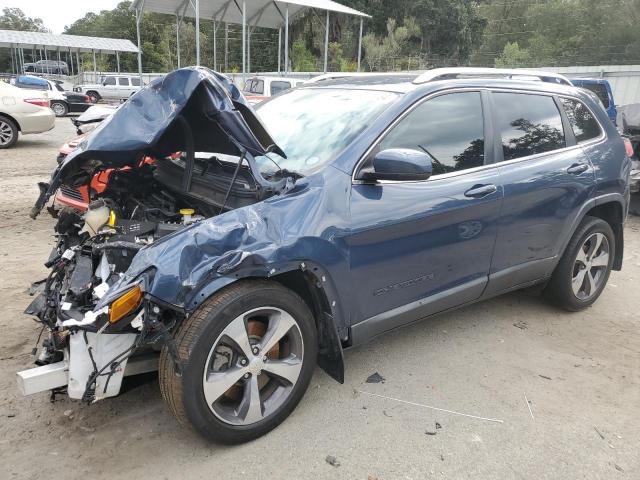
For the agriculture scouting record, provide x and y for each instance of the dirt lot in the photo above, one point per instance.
(580, 373)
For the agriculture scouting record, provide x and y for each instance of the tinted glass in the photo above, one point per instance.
(600, 90)
(313, 125)
(528, 124)
(584, 126)
(448, 127)
(277, 87)
(135, 82)
(123, 81)
(110, 81)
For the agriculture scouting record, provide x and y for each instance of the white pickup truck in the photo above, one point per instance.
(111, 87)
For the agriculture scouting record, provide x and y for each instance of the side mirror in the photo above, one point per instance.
(399, 164)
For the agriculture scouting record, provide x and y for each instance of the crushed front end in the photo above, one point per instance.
(100, 323)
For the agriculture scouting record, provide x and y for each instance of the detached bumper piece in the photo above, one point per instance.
(78, 374)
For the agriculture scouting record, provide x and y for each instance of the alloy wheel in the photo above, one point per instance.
(6, 133)
(253, 366)
(590, 267)
(58, 109)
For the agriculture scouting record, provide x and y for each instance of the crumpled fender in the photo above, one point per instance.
(283, 233)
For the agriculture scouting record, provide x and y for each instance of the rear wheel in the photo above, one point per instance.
(8, 132)
(247, 357)
(584, 269)
(59, 108)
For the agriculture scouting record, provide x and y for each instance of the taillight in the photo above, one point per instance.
(40, 102)
(628, 147)
(87, 99)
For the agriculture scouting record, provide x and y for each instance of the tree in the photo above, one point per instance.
(15, 19)
(513, 57)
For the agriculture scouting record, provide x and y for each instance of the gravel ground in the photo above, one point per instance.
(579, 372)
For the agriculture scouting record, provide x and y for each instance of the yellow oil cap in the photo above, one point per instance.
(112, 219)
(187, 211)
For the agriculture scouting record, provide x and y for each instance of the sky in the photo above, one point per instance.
(56, 14)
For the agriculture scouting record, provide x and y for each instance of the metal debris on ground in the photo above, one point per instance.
(599, 434)
(430, 432)
(453, 412)
(526, 400)
(521, 325)
(384, 412)
(331, 460)
(375, 378)
(438, 426)
(545, 377)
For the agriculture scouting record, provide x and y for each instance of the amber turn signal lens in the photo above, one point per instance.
(125, 304)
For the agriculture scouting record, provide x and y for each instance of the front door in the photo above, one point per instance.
(417, 248)
(547, 179)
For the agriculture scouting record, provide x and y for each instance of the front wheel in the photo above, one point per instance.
(247, 355)
(584, 269)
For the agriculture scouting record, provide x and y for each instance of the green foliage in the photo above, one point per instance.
(301, 58)
(385, 52)
(15, 19)
(513, 57)
(401, 34)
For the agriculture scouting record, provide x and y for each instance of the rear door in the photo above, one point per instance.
(109, 88)
(417, 248)
(123, 87)
(547, 179)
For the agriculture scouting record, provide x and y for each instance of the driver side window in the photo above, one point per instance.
(448, 127)
(110, 81)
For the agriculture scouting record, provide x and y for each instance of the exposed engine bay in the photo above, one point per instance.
(96, 322)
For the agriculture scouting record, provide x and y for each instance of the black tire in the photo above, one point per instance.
(8, 132)
(95, 96)
(59, 108)
(559, 289)
(195, 338)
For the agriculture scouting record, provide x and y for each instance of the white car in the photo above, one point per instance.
(111, 87)
(23, 111)
(258, 89)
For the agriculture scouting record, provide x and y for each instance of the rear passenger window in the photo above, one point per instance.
(122, 81)
(135, 82)
(528, 124)
(584, 126)
(449, 128)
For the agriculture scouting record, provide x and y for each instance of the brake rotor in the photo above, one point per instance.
(256, 330)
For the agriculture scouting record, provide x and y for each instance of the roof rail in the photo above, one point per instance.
(339, 75)
(471, 72)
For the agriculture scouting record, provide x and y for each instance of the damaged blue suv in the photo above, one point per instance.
(234, 250)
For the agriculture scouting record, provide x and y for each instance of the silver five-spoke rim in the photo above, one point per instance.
(590, 267)
(58, 109)
(253, 366)
(6, 133)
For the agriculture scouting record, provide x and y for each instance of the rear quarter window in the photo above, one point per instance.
(528, 124)
(279, 86)
(585, 127)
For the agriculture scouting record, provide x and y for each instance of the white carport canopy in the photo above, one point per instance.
(17, 41)
(274, 14)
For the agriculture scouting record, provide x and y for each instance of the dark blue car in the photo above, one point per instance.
(342, 210)
(602, 89)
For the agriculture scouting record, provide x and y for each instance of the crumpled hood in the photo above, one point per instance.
(216, 112)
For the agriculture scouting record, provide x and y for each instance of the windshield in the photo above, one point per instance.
(313, 125)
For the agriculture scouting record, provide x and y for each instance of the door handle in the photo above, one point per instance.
(479, 191)
(578, 168)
